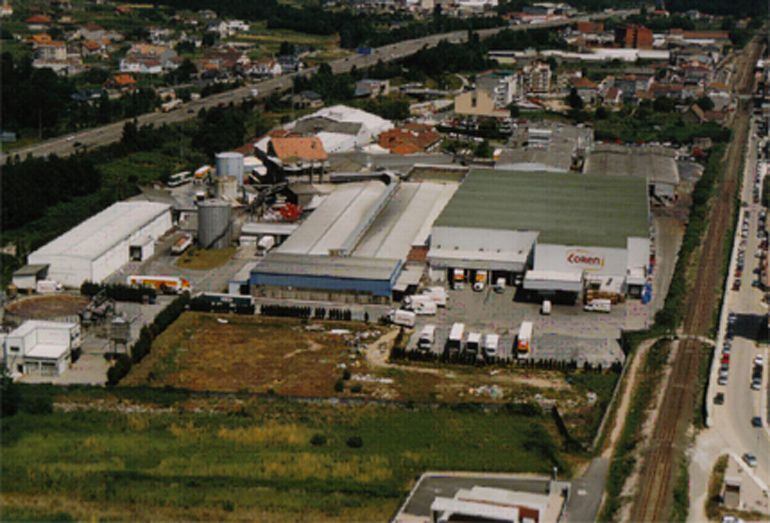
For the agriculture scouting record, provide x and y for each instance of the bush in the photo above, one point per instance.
(339, 386)
(357, 388)
(355, 442)
(346, 374)
(318, 440)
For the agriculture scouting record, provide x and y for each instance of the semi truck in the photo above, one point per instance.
(164, 284)
(455, 340)
(427, 337)
(524, 340)
(402, 317)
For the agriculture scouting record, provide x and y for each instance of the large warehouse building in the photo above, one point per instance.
(102, 244)
(565, 231)
(358, 245)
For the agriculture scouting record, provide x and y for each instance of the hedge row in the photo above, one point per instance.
(293, 311)
(119, 292)
(142, 347)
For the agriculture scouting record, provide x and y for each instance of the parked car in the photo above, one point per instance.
(756, 421)
(719, 398)
(750, 459)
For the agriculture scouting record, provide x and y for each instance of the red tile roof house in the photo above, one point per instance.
(294, 155)
(38, 22)
(409, 139)
(586, 89)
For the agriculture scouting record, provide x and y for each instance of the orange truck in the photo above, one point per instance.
(164, 284)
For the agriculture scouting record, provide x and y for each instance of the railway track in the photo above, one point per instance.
(655, 492)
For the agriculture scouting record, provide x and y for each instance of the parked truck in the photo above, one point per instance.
(480, 281)
(458, 279)
(524, 340)
(171, 105)
(47, 286)
(491, 341)
(598, 306)
(473, 345)
(264, 244)
(164, 284)
(421, 304)
(182, 244)
(427, 338)
(437, 294)
(455, 340)
(402, 317)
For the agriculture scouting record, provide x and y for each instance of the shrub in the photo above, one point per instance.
(346, 374)
(355, 442)
(318, 440)
(357, 388)
(339, 386)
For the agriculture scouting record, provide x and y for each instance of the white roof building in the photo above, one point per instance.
(337, 140)
(105, 242)
(40, 347)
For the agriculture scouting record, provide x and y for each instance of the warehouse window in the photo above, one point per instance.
(14, 349)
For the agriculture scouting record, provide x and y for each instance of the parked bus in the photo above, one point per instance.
(164, 284)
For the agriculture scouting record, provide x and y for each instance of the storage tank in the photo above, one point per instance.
(214, 227)
(230, 164)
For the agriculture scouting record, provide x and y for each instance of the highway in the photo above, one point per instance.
(106, 134)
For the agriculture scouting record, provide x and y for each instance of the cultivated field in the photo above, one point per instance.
(104, 456)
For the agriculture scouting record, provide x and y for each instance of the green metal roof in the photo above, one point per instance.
(566, 208)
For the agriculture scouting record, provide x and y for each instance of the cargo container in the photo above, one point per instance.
(524, 340)
(402, 317)
(427, 337)
(165, 284)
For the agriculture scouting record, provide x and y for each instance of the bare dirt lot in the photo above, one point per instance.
(290, 357)
(43, 307)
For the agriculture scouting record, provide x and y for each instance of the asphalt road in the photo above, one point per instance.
(64, 145)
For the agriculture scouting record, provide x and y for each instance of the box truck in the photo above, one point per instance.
(437, 294)
(47, 286)
(421, 304)
(524, 340)
(500, 285)
(264, 244)
(491, 342)
(402, 317)
(598, 306)
(545, 309)
(473, 345)
(480, 281)
(455, 340)
(427, 337)
(164, 284)
(458, 279)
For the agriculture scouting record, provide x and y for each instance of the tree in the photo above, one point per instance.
(601, 113)
(705, 103)
(514, 110)
(286, 49)
(484, 150)
(10, 394)
(574, 100)
(663, 104)
(184, 72)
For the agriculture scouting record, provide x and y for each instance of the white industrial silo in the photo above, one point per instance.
(230, 164)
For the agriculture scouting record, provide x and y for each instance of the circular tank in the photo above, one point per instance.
(230, 164)
(214, 224)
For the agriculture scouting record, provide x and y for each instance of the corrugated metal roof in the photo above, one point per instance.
(336, 220)
(328, 266)
(565, 208)
(99, 233)
(657, 164)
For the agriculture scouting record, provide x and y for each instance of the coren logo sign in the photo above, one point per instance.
(585, 258)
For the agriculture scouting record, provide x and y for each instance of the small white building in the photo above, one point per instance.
(42, 348)
(102, 244)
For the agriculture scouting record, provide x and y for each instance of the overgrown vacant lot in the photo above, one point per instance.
(294, 358)
(259, 461)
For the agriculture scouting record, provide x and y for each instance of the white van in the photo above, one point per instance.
(421, 304)
(598, 306)
(427, 337)
(545, 309)
(491, 342)
(437, 294)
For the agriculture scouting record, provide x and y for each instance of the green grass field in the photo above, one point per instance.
(252, 462)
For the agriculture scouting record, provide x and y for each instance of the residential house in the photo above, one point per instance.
(696, 115)
(38, 22)
(307, 100)
(6, 9)
(227, 28)
(40, 39)
(634, 36)
(411, 138)
(290, 64)
(586, 89)
(55, 51)
(265, 69)
(371, 88)
(292, 155)
(341, 128)
(613, 97)
(480, 102)
(149, 59)
(633, 83)
(719, 94)
(93, 48)
(91, 31)
(122, 82)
